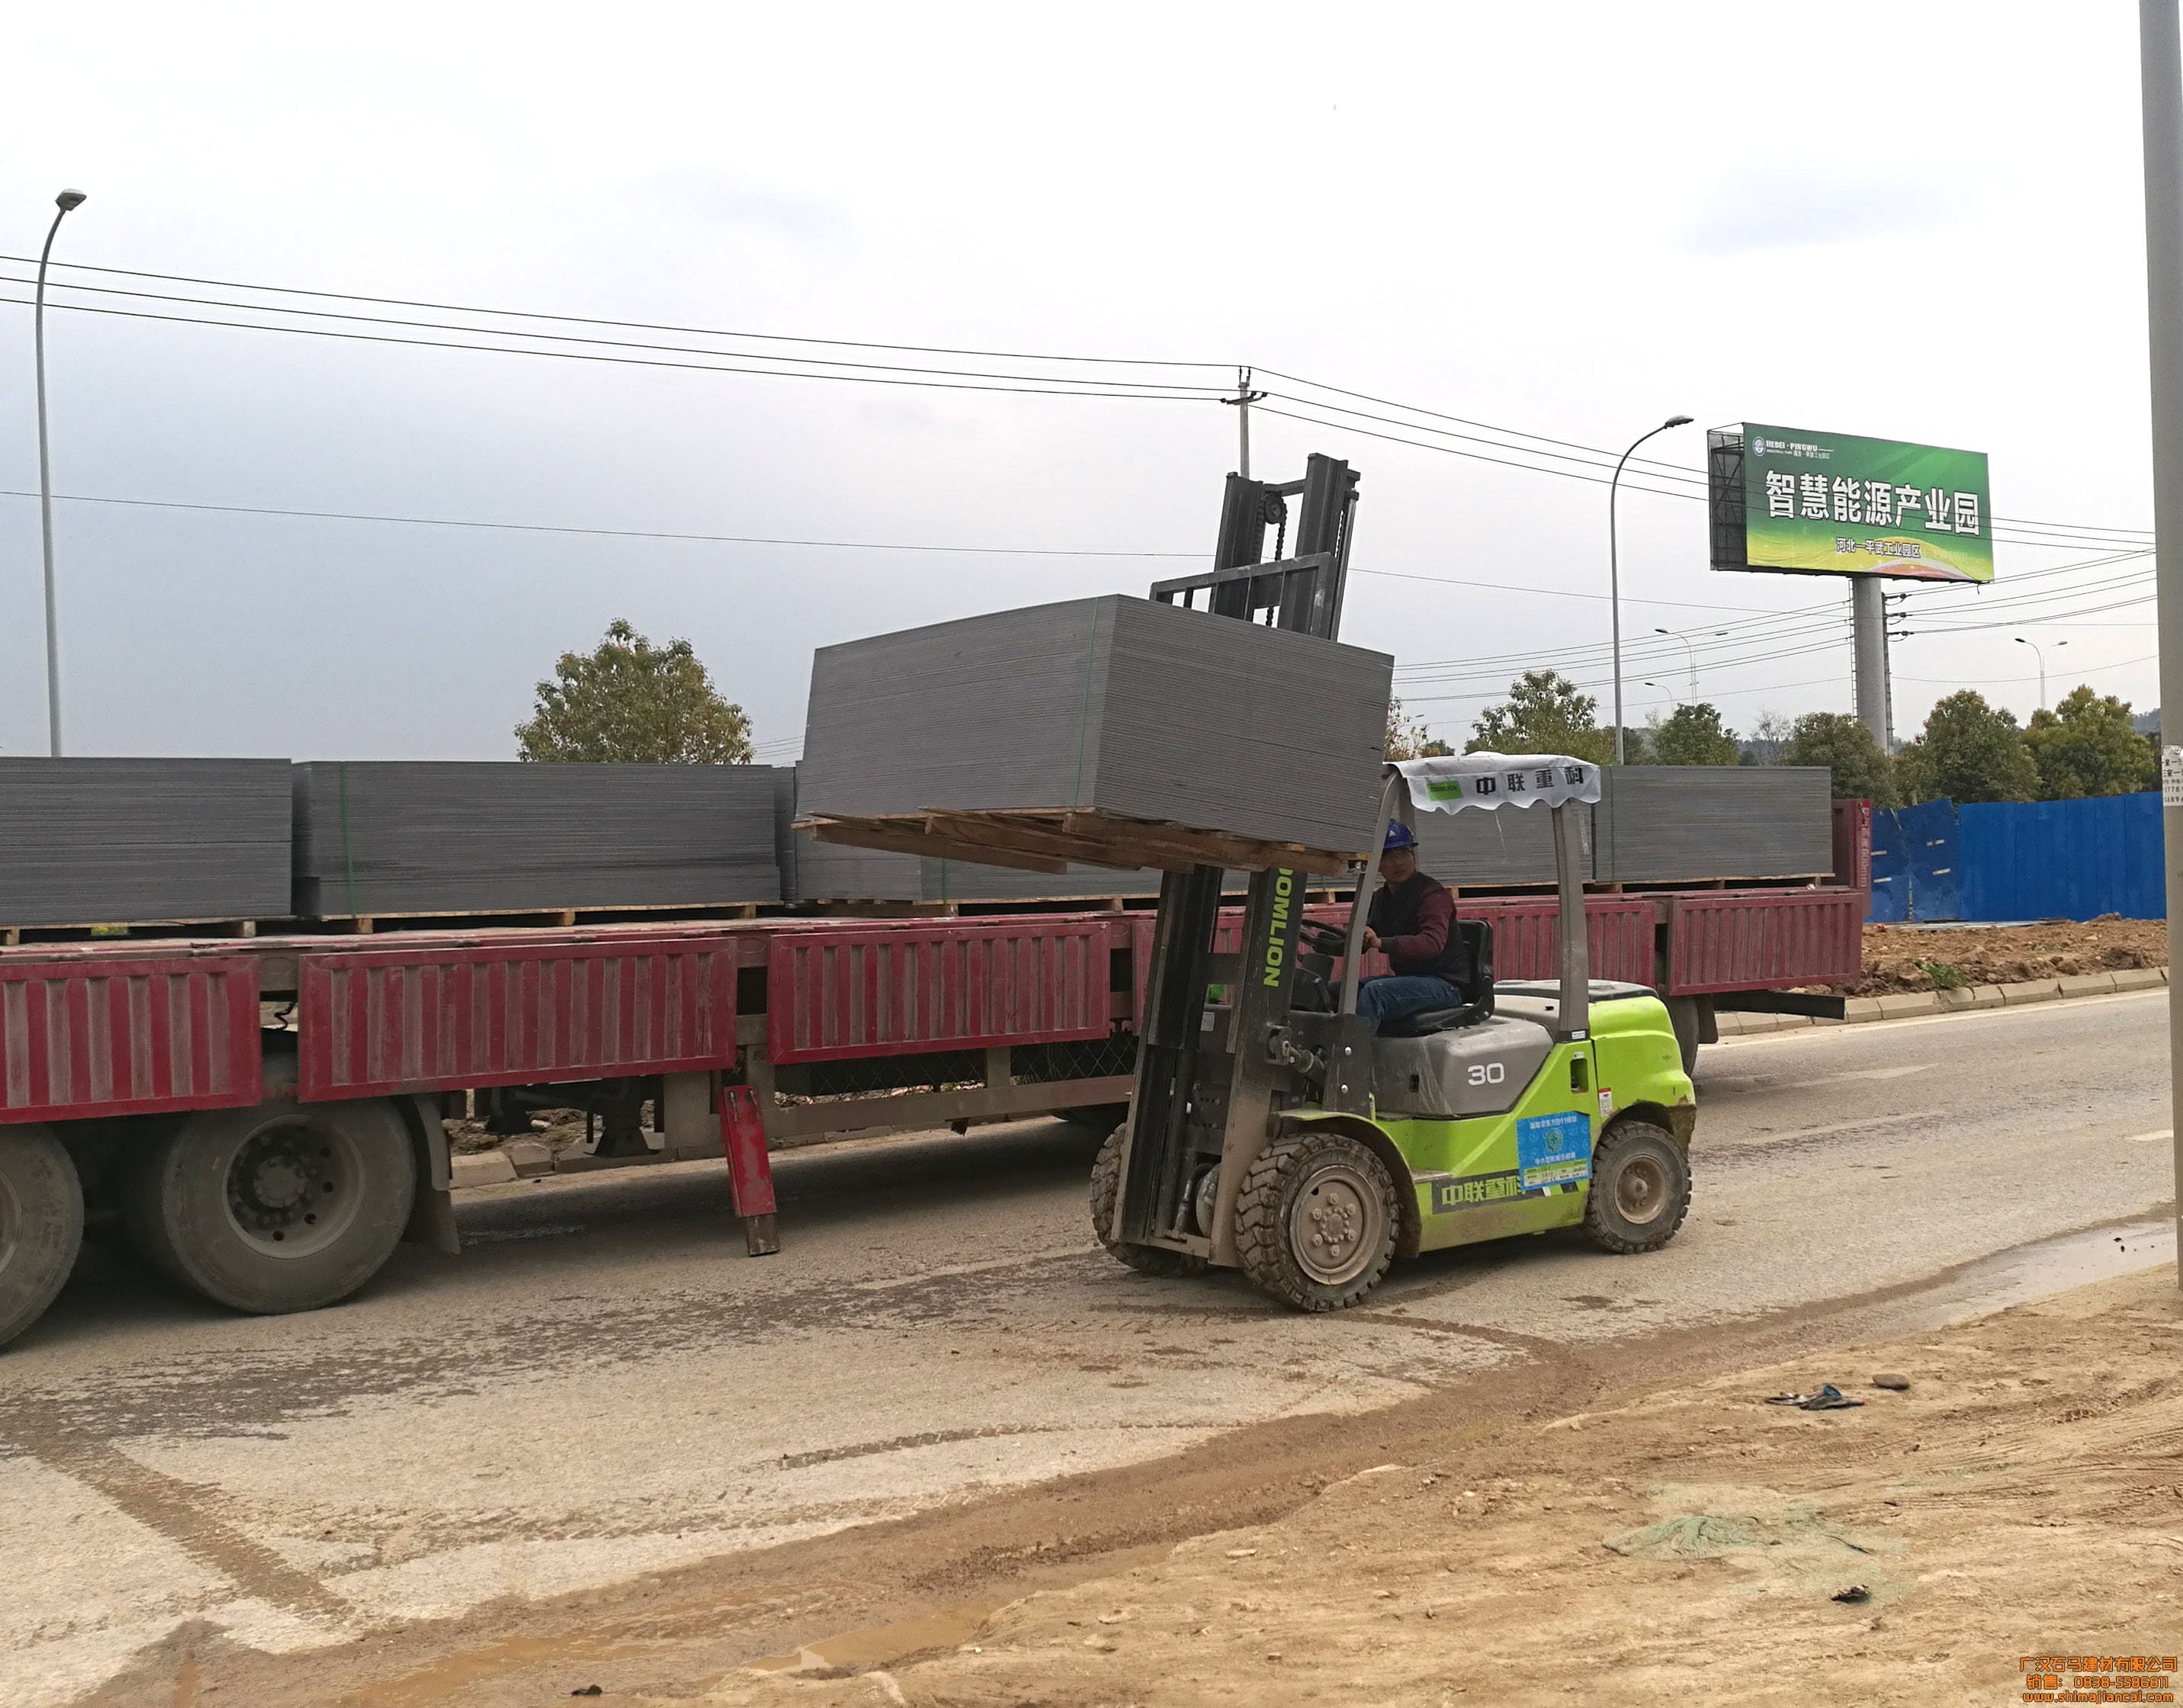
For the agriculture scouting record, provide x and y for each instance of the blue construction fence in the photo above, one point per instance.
(2018, 860)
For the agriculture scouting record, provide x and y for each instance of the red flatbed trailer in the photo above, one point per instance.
(745, 1035)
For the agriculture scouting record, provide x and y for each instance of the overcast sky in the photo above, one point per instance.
(1916, 222)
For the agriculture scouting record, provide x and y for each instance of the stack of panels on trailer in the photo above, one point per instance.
(1117, 705)
(1508, 845)
(403, 837)
(1669, 824)
(120, 842)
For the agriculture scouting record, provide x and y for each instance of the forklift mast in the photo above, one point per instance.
(1220, 1052)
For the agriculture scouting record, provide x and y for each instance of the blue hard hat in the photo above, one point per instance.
(1399, 836)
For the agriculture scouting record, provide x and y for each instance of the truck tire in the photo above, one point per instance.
(40, 1224)
(1316, 1221)
(285, 1206)
(1106, 1190)
(1640, 1189)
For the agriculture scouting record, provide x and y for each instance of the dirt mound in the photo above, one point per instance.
(2023, 1497)
(1899, 957)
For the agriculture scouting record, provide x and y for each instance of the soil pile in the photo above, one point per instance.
(1901, 957)
(2023, 1496)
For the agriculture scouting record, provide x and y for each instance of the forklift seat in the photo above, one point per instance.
(1475, 986)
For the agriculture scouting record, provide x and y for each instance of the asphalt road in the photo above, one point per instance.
(601, 1387)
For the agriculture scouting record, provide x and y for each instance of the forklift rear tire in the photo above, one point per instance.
(1316, 1221)
(1640, 1189)
(1106, 1191)
(285, 1206)
(40, 1224)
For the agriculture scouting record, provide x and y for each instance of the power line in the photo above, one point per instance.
(1208, 395)
(603, 533)
(1196, 391)
(1600, 456)
(597, 321)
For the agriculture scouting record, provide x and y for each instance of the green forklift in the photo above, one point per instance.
(1275, 1130)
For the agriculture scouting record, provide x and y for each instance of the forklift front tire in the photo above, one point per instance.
(1106, 1191)
(1316, 1222)
(1640, 1189)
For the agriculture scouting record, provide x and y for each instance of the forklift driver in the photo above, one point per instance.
(1412, 923)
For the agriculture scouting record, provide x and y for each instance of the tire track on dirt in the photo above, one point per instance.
(172, 1509)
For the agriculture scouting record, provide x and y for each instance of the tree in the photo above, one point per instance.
(1692, 735)
(631, 702)
(1407, 738)
(1544, 714)
(2085, 746)
(1969, 751)
(1841, 742)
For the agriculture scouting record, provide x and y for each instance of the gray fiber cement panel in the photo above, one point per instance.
(1506, 845)
(1664, 824)
(1114, 703)
(114, 841)
(457, 837)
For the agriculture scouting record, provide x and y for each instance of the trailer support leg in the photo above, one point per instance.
(750, 1172)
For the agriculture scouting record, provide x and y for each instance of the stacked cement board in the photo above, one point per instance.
(124, 840)
(1118, 705)
(402, 837)
(1668, 824)
(1508, 845)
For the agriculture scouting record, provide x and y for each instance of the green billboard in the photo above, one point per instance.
(1835, 504)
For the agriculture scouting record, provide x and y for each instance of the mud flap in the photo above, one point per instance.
(432, 1211)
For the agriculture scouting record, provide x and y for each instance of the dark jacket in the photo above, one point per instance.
(1414, 922)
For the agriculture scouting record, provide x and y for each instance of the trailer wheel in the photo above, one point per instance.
(287, 1206)
(40, 1224)
(1640, 1189)
(1315, 1224)
(1106, 1192)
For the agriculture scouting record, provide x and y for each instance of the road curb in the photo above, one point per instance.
(1905, 1005)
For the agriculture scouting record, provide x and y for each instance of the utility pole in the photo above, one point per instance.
(66, 201)
(2160, 72)
(1867, 618)
(1244, 398)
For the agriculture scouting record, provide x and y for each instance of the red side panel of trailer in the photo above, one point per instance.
(82, 1040)
(515, 1014)
(1759, 939)
(843, 992)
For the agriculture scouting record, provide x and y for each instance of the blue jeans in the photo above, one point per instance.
(1392, 996)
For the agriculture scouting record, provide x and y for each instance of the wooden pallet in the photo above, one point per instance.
(1052, 839)
(16, 936)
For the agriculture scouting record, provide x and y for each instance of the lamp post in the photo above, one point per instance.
(66, 201)
(2036, 647)
(1615, 567)
(1677, 634)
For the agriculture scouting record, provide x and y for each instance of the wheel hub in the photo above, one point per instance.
(1641, 1190)
(1335, 1225)
(285, 1184)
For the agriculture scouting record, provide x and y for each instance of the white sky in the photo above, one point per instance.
(1914, 221)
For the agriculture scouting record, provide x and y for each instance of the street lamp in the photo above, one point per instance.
(2036, 647)
(1676, 634)
(1614, 568)
(66, 201)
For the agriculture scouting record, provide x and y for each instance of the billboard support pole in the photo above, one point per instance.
(2160, 73)
(1868, 634)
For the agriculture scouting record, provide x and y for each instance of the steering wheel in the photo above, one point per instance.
(1323, 939)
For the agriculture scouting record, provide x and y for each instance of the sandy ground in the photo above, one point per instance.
(2024, 1496)
(1898, 958)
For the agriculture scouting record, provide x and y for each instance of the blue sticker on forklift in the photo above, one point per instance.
(1554, 1149)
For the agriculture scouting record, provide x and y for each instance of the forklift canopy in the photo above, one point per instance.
(1454, 781)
